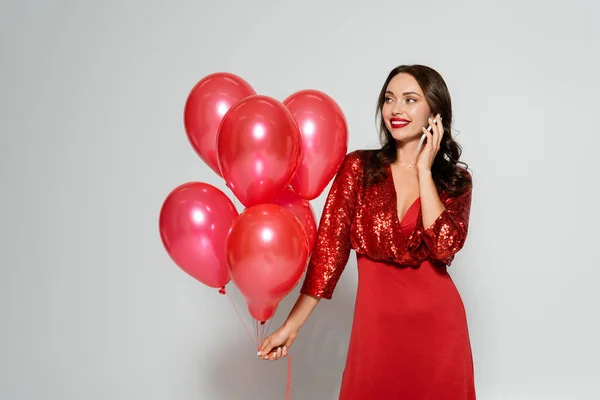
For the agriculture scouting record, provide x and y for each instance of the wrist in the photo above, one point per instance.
(424, 173)
(292, 325)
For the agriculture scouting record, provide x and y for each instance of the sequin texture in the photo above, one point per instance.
(365, 219)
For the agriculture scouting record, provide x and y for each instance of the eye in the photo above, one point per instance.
(408, 100)
(388, 99)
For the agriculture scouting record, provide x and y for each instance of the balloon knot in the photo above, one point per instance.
(262, 322)
(222, 290)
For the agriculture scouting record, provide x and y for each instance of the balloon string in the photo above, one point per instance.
(270, 322)
(223, 291)
(261, 331)
(288, 386)
(259, 339)
(256, 333)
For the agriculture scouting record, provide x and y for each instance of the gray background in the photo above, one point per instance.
(92, 141)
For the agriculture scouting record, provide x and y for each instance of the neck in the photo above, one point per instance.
(407, 152)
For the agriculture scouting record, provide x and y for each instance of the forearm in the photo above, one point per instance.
(431, 205)
(301, 311)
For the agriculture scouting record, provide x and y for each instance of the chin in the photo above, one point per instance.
(405, 137)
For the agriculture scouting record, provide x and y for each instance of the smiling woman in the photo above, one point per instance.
(411, 94)
(405, 210)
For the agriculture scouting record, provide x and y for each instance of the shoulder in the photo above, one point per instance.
(355, 160)
(354, 164)
(359, 154)
(360, 157)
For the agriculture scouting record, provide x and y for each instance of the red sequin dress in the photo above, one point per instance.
(409, 337)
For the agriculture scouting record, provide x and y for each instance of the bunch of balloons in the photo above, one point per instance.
(275, 156)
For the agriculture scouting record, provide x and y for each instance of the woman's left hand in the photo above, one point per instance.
(432, 145)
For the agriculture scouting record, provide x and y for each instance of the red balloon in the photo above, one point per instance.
(267, 252)
(205, 107)
(258, 149)
(194, 221)
(302, 210)
(324, 140)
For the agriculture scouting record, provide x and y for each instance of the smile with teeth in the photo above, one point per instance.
(398, 122)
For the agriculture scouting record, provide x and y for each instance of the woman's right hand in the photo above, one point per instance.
(277, 344)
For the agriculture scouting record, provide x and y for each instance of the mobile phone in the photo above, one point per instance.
(423, 137)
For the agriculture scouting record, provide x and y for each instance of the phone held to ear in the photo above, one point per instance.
(423, 137)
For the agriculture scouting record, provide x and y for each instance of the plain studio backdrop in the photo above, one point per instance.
(92, 141)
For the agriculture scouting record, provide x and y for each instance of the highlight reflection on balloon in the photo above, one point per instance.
(207, 103)
(258, 149)
(324, 133)
(267, 252)
(194, 222)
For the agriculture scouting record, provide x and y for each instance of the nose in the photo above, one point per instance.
(397, 108)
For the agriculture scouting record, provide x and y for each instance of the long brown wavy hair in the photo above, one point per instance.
(444, 170)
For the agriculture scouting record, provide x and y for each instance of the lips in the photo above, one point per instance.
(399, 122)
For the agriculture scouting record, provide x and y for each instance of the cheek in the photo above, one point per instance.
(386, 112)
(421, 116)
(422, 121)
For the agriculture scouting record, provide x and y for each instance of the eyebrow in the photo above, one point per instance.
(403, 94)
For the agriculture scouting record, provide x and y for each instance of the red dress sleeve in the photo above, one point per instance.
(332, 247)
(448, 233)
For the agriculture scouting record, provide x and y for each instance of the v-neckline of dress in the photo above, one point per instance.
(399, 220)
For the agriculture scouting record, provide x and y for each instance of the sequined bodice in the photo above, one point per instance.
(365, 218)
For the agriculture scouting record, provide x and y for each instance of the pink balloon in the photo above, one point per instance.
(205, 107)
(267, 252)
(302, 210)
(258, 149)
(194, 221)
(324, 140)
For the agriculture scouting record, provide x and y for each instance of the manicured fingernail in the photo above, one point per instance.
(259, 353)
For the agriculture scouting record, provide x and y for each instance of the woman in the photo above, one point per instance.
(405, 210)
